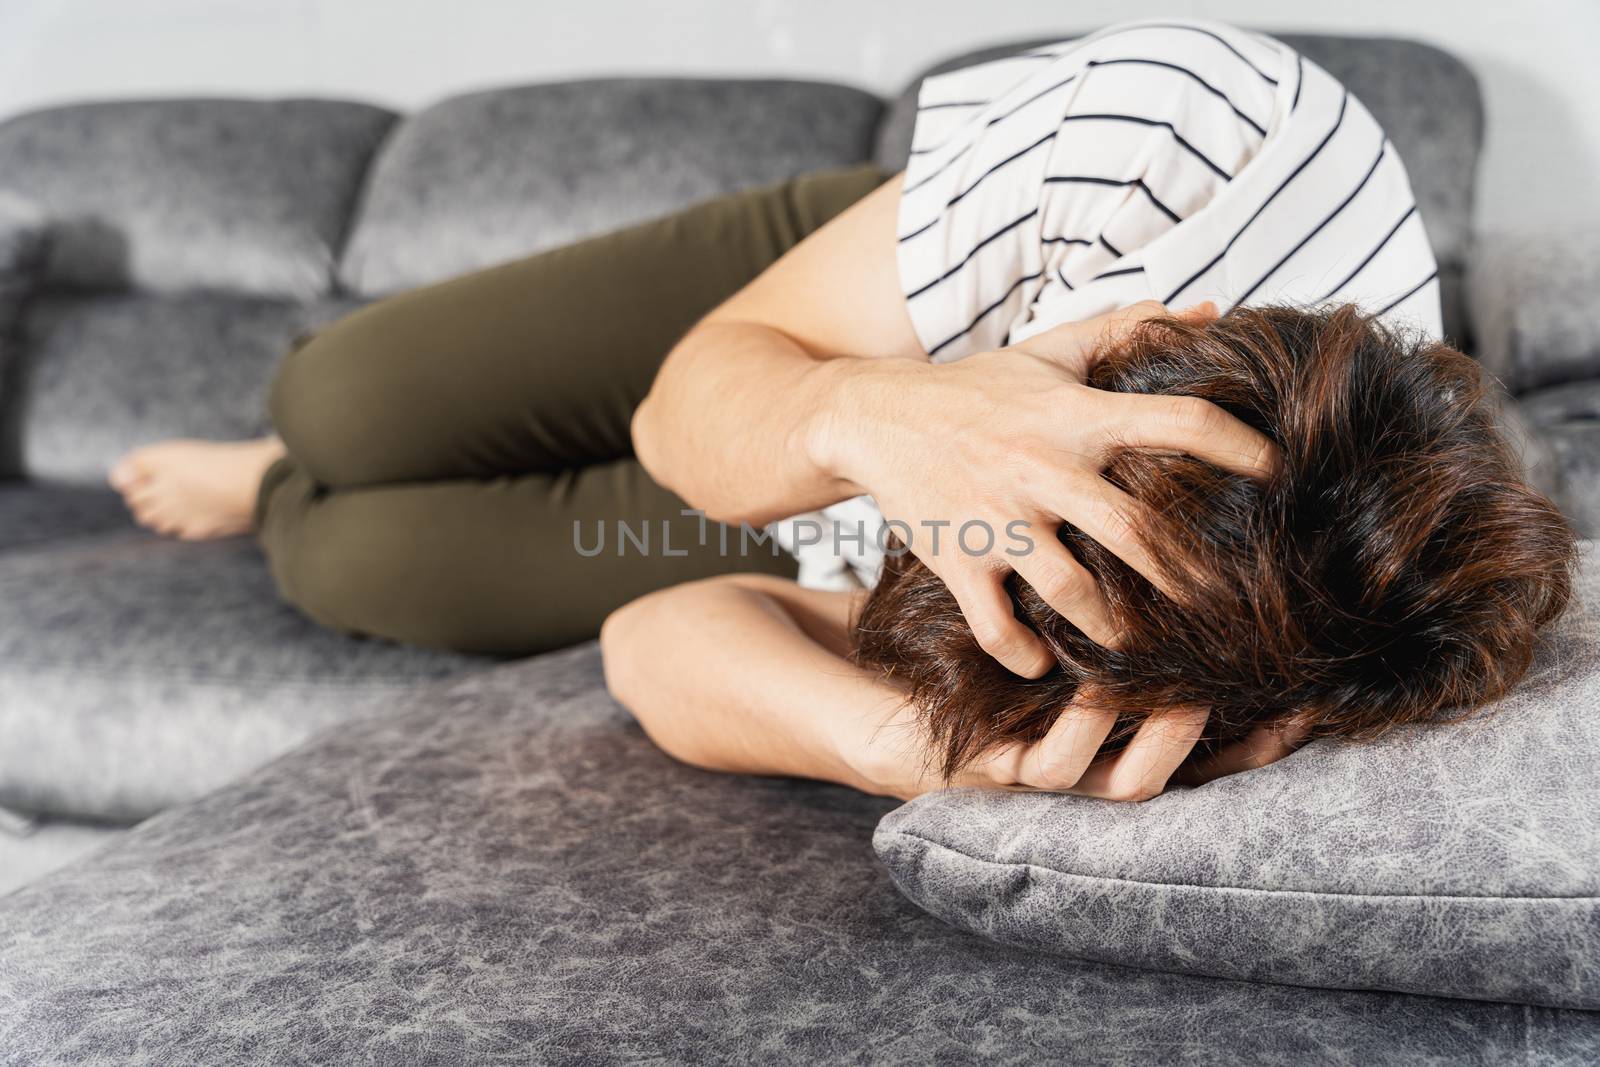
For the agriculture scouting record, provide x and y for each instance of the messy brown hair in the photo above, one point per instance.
(1396, 569)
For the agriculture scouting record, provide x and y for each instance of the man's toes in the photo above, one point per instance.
(128, 473)
(147, 513)
(164, 524)
(141, 501)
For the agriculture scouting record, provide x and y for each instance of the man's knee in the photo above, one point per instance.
(361, 562)
(326, 404)
(330, 570)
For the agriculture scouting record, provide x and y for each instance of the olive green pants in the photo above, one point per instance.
(457, 453)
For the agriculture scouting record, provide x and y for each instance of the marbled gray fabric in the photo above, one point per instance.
(1459, 860)
(1533, 307)
(509, 871)
(99, 374)
(496, 175)
(1426, 99)
(179, 194)
(1566, 422)
(136, 673)
(31, 513)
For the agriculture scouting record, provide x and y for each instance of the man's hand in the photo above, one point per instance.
(891, 756)
(1015, 434)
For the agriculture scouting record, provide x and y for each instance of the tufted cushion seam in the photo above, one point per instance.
(1104, 880)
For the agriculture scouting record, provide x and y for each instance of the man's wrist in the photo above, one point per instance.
(850, 412)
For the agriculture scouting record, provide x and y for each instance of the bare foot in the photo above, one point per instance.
(195, 490)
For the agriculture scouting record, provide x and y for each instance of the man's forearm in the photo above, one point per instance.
(766, 693)
(747, 425)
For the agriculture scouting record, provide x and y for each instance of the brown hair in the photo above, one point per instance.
(1397, 566)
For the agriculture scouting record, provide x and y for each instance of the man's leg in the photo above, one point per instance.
(537, 364)
(510, 565)
(460, 470)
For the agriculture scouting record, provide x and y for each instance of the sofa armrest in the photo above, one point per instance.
(1531, 301)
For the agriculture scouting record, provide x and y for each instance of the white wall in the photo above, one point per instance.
(1539, 60)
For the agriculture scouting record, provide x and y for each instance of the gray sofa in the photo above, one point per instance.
(467, 861)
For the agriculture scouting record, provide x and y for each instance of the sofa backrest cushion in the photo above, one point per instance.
(1458, 860)
(490, 176)
(1425, 99)
(98, 374)
(178, 194)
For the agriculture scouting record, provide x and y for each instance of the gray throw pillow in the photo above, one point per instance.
(1457, 860)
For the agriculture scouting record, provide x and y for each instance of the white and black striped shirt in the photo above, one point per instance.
(1178, 161)
(1172, 160)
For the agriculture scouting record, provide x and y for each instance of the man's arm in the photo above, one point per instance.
(747, 674)
(733, 420)
(766, 690)
(782, 401)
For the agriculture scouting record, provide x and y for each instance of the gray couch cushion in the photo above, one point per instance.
(509, 871)
(32, 514)
(1533, 306)
(1459, 860)
(176, 194)
(1426, 99)
(492, 176)
(1566, 422)
(97, 375)
(136, 673)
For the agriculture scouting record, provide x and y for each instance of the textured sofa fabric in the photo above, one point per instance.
(181, 194)
(508, 871)
(1533, 307)
(1566, 419)
(1533, 304)
(136, 673)
(1459, 860)
(1425, 99)
(35, 514)
(491, 176)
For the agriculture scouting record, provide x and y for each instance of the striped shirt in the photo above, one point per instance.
(1175, 161)
(1172, 160)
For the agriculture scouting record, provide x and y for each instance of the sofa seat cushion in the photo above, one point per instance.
(32, 514)
(1459, 860)
(1565, 422)
(508, 870)
(137, 672)
(251, 195)
(492, 176)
